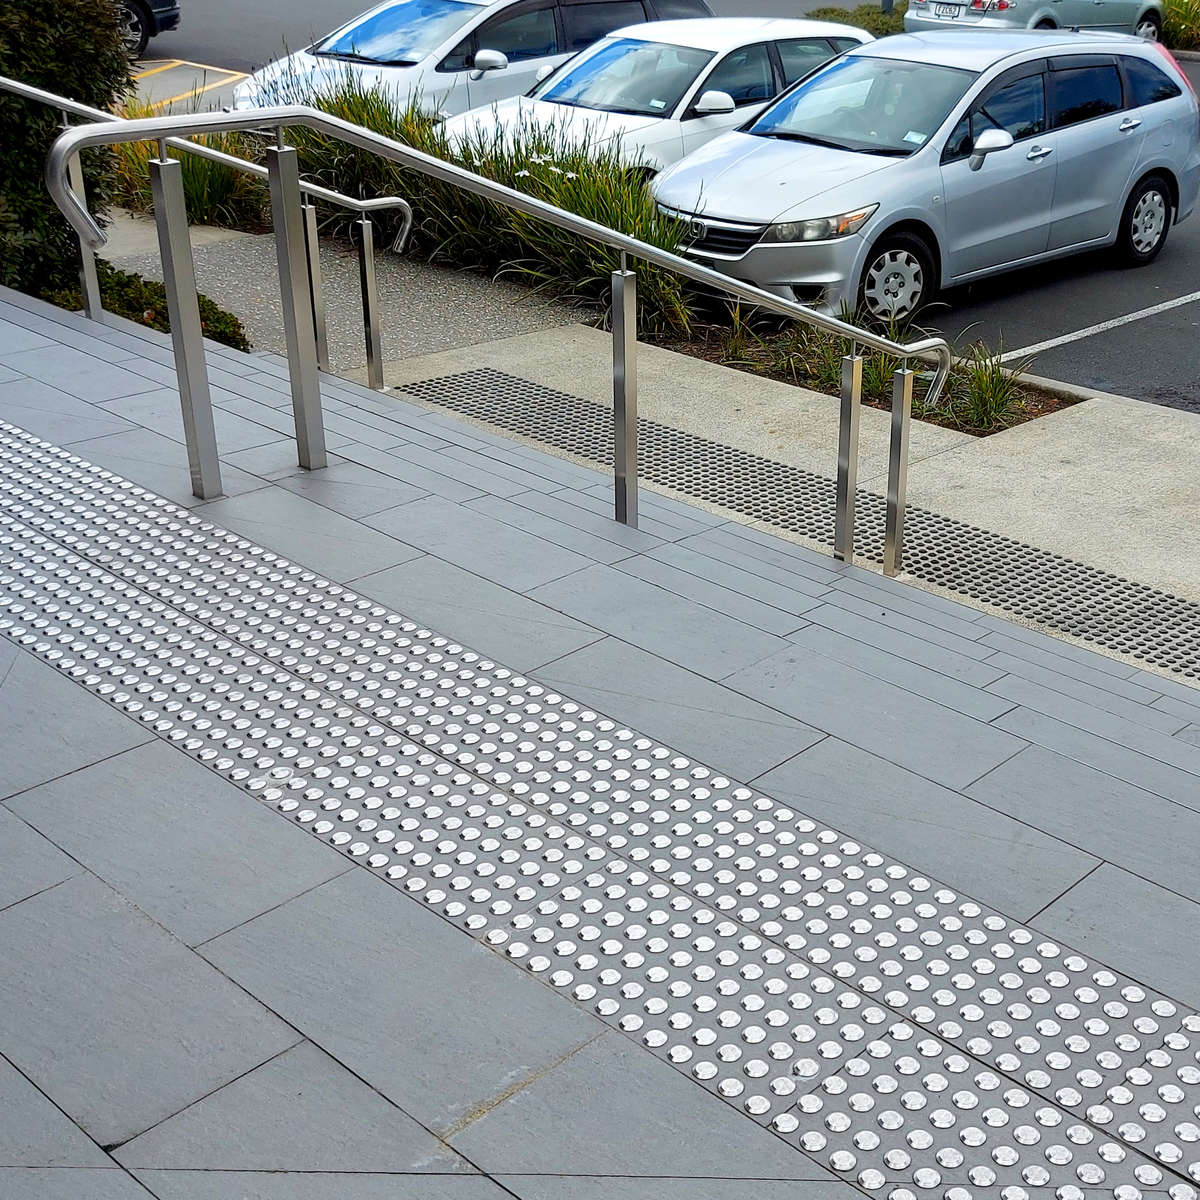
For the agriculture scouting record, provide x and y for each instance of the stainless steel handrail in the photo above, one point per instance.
(282, 172)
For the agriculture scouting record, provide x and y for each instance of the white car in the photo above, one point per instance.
(451, 55)
(658, 91)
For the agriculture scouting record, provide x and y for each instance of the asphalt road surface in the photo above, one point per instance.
(1092, 312)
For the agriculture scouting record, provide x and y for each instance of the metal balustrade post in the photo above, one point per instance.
(625, 418)
(187, 333)
(847, 474)
(370, 303)
(316, 291)
(897, 487)
(89, 278)
(298, 326)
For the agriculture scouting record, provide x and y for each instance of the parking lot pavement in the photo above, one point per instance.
(181, 85)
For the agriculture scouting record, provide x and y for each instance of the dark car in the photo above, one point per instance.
(142, 19)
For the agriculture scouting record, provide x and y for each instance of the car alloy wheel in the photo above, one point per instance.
(133, 30)
(1148, 224)
(895, 284)
(1147, 29)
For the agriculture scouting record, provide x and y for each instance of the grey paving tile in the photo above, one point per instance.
(509, 556)
(1114, 728)
(504, 625)
(898, 725)
(242, 1185)
(1142, 771)
(681, 709)
(731, 554)
(1039, 644)
(159, 410)
(1181, 710)
(1187, 691)
(301, 1111)
(899, 669)
(28, 862)
(673, 627)
(78, 374)
(995, 858)
(51, 726)
(16, 339)
(758, 547)
(613, 1109)
(905, 595)
(195, 853)
(484, 460)
(33, 1133)
(158, 463)
(350, 489)
(1191, 735)
(25, 1183)
(1107, 817)
(54, 415)
(488, 475)
(599, 538)
(1133, 926)
(653, 518)
(1140, 712)
(1014, 652)
(308, 533)
(928, 625)
(117, 1022)
(354, 962)
(7, 374)
(271, 460)
(418, 476)
(883, 634)
(608, 1187)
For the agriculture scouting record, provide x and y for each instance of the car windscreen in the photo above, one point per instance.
(867, 104)
(399, 34)
(625, 75)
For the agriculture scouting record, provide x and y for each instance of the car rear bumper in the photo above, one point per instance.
(928, 22)
(164, 18)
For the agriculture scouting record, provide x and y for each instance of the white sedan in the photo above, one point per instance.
(658, 91)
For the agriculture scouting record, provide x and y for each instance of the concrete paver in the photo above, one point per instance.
(43, 1183)
(358, 1185)
(28, 862)
(34, 1133)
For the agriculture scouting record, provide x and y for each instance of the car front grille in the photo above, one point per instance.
(719, 239)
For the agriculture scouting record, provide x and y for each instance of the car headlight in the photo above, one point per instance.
(820, 229)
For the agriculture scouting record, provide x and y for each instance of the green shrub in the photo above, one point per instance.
(870, 17)
(1181, 31)
(145, 301)
(74, 48)
(215, 195)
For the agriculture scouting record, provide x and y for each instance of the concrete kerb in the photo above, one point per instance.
(1186, 55)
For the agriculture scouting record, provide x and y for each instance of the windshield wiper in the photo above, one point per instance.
(784, 136)
(627, 112)
(885, 151)
(346, 56)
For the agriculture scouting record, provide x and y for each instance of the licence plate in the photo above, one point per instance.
(946, 10)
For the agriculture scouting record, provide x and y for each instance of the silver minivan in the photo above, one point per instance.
(925, 160)
(1141, 17)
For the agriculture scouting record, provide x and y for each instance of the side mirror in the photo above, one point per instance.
(544, 72)
(712, 103)
(488, 60)
(988, 142)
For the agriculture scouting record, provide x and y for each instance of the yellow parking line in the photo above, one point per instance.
(233, 77)
(187, 62)
(167, 66)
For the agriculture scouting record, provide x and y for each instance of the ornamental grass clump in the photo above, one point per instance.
(1181, 30)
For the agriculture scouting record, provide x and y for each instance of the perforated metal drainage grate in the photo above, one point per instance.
(1032, 584)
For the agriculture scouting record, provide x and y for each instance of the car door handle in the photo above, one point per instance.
(1039, 152)
(1128, 124)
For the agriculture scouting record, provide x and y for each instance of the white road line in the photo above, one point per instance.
(1103, 327)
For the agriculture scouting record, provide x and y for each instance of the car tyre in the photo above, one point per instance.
(898, 279)
(1146, 221)
(1045, 25)
(135, 27)
(1149, 27)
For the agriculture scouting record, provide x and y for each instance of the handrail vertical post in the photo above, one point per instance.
(897, 486)
(370, 303)
(625, 418)
(89, 278)
(847, 473)
(316, 290)
(187, 333)
(299, 329)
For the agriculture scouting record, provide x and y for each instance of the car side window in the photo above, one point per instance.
(584, 24)
(668, 10)
(1084, 93)
(746, 74)
(841, 44)
(531, 33)
(1019, 108)
(1146, 83)
(801, 55)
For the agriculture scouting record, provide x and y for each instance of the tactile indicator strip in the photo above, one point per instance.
(1033, 584)
(451, 857)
